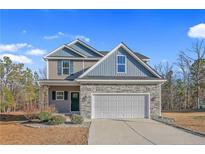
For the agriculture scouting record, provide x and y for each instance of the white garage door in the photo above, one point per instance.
(119, 106)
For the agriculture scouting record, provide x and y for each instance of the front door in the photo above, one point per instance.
(74, 101)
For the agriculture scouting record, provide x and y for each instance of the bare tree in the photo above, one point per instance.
(166, 71)
(184, 65)
(197, 66)
(43, 73)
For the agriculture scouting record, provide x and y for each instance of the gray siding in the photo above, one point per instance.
(62, 106)
(108, 66)
(84, 50)
(65, 52)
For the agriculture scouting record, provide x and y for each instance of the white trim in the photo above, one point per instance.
(160, 99)
(65, 67)
(130, 52)
(84, 44)
(121, 64)
(71, 58)
(47, 68)
(146, 60)
(64, 46)
(58, 82)
(60, 99)
(121, 81)
(83, 65)
(71, 101)
(92, 100)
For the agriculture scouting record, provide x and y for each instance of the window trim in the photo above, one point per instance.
(65, 67)
(57, 97)
(122, 64)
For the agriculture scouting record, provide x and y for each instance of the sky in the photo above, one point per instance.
(27, 35)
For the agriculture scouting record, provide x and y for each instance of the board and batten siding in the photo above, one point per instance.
(65, 52)
(84, 50)
(75, 66)
(108, 66)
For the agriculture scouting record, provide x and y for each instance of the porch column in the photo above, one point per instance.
(43, 97)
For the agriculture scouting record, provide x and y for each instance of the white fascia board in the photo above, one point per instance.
(146, 60)
(84, 44)
(121, 81)
(95, 65)
(61, 47)
(139, 60)
(75, 51)
(72, 58)
(59, 82)
(130, 52)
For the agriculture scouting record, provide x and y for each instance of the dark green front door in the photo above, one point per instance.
(74, 101)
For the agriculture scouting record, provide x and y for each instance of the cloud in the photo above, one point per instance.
(13, 47)
(197, 31)
(70, 36)
(81, 37)
(36, 52)
(61, 33)
(51, 37)
(24, 31)
(17, 58)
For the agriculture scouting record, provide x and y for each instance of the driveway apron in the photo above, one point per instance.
(138, 132)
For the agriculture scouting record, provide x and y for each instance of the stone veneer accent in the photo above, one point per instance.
(87, 89)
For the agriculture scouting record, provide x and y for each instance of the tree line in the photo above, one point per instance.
(185, 86)
(18, 86)
(183, 90)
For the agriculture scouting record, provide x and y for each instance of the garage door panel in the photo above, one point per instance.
(120, 106)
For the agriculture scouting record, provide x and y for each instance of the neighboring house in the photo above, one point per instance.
(99, 84)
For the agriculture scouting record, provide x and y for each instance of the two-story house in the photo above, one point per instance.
(112, 84)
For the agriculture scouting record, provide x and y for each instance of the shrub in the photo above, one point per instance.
(76, 119)
(44, 116)
(57, 120)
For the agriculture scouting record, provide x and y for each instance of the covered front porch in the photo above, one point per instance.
(64, 96)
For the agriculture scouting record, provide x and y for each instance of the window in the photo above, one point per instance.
(121, 64)
(65, 67)
(59, 95)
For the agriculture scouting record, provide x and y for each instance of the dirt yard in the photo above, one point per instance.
(192, 120)
(13, 133)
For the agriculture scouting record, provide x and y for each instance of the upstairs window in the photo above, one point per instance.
(65, 67)
(121, 64)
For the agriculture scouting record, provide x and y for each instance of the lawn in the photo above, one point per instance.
(12, 132)
(191, 120)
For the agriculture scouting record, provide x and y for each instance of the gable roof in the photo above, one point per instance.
(85, 45)
(60, 48)
(131, 53)
(141, 56)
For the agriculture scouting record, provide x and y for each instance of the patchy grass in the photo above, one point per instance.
(13, 133)
(191, 120)
(199, 117)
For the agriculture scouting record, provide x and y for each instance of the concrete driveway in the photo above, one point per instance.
(138, 131)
